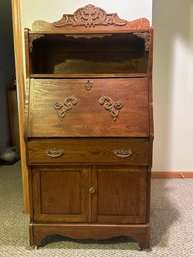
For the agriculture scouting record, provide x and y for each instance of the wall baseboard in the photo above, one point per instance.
(171, 174)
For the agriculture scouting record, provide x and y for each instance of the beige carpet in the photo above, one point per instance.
(171, 220)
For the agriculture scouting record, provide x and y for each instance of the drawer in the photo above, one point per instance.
(89, 108)
(89, 150)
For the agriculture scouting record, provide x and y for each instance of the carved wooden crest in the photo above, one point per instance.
(91, 19)
(90, 16)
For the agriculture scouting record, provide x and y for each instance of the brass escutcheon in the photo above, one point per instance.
(88, 84)
(92, 190)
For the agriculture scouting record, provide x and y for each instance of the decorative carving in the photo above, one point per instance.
(90, 16)
(63, 108)
(123, 153)
(32, 38)
(111, 106)
(146, 36)
(54, 153)
(88, 84)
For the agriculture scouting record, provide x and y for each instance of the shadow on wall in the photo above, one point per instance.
(171, 22)
(7, 68)
(172, 25)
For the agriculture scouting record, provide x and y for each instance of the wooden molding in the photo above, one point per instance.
(171, 174)
(18, 50)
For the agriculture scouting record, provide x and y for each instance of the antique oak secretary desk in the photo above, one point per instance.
(89, 126)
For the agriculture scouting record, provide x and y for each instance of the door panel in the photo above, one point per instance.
(61, 194)
(120, 195)
(109, 107)
(67, 198)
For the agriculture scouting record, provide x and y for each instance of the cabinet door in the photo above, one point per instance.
(120, 194)
(60, 194)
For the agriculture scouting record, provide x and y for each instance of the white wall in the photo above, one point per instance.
(173, 85)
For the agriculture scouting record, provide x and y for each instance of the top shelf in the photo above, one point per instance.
(88, 54)
(89, 41)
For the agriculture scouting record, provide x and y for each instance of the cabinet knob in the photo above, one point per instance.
(92, 190)
(54, 153)
(123, 153)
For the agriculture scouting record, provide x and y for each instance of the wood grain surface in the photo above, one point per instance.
(92, 150)
(88, 117)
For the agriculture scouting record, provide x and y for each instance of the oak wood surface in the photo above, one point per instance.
(92, 150)
(88, 117)
(121, 195)
(61, 194)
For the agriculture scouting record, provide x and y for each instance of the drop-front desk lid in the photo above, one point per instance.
(88, 107)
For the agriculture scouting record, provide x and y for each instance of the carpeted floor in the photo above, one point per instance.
(171, 221)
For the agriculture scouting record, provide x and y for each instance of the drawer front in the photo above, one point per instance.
(95, 107)
(82, 150)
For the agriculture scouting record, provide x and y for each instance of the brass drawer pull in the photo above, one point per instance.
(123, 153)
(54, 153)
(92, 190)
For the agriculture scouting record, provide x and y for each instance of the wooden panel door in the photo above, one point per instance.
(120, 194)
(60, 194)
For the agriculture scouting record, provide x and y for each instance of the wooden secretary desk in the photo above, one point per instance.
(89, 126)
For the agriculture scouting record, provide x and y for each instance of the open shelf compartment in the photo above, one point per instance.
(82, 54)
